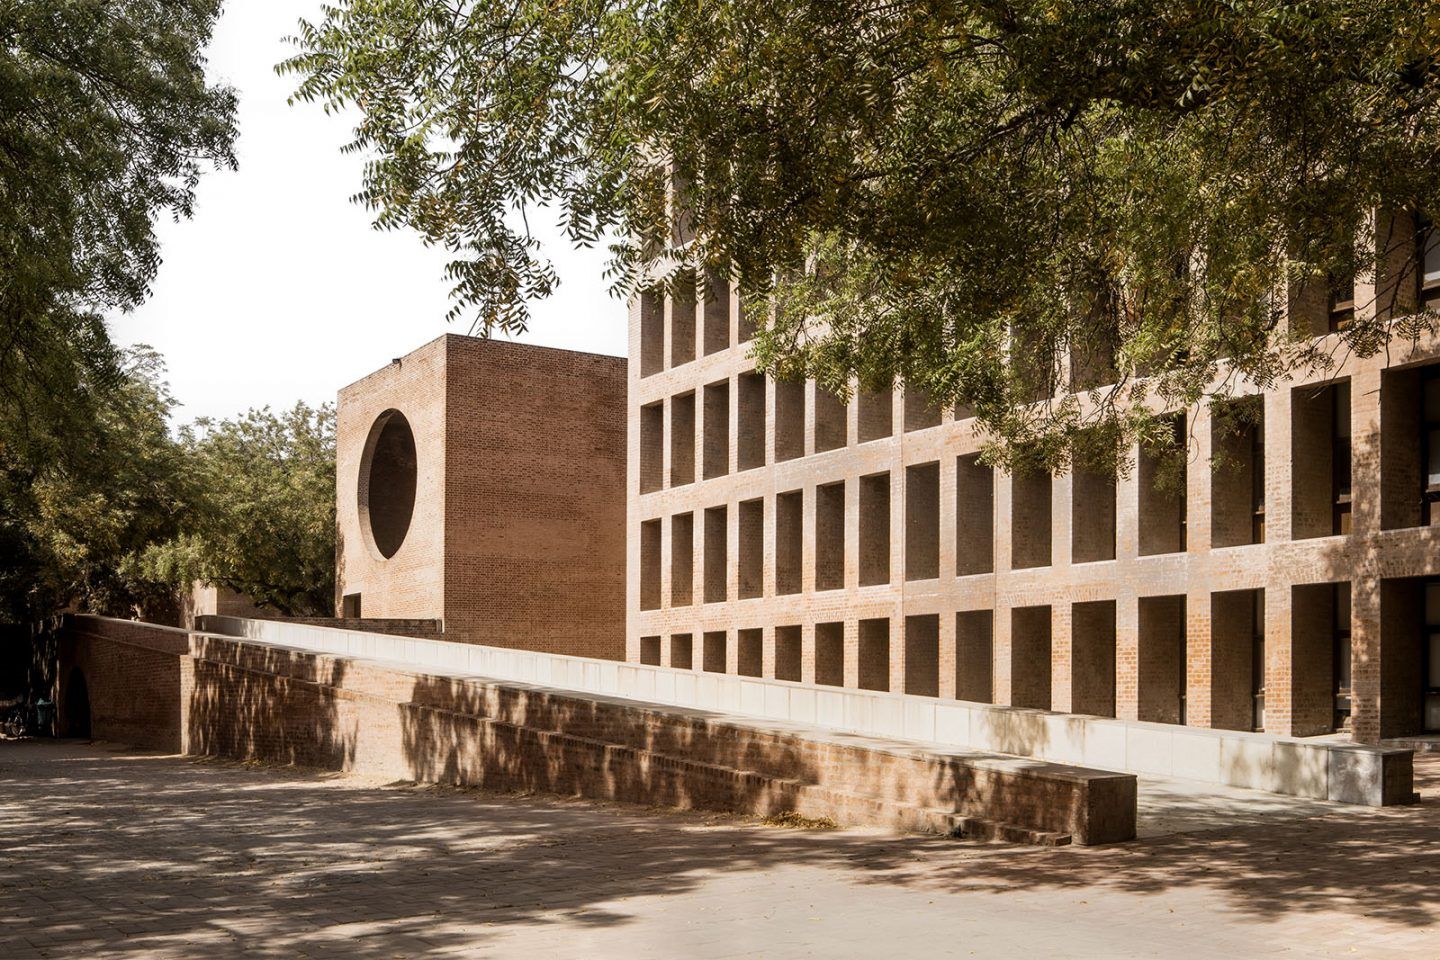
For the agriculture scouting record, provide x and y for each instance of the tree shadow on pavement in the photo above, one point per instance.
(146, 852)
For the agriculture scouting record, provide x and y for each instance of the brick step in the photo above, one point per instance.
(750, 791)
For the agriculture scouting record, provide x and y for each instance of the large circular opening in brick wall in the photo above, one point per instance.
(387, 483)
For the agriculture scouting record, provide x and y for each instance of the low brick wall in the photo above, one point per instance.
(214, 695)
(136, 676)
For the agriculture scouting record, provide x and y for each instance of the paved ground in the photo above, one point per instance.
(112, 853)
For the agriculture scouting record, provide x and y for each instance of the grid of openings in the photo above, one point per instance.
(974, 516)
(1320, 452)
(717, 429)
(876, 412)
(716, 527)
(830, 654)
(752, 549)
(788, 653)
(717, 311)
(652, 446)
(789, 419)
(650, 565)
(1092, 658)
(750, 652)
(682, 560)
(922, 521)
(1030, 520)
(831, 414)
(750, 430)
(682, 320)
(1092, 527)
(830, 536)
(713, 650)
(789, 541)
(652, 331)
(922, 655)
(920, 412)
(682, 439)
(1162, 477)
(1237, 473)
(650, 651)
(974, 641)
(874, 529)
(874, 655)
(682, 651)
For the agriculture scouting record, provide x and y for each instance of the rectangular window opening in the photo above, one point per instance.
(830, 536)
(682, 439)
(788, 653)
(875, 654)
(830, 654)
(974, 643)
(752, 549)
(831, 414)
(682, 560)
(717, 311)
(789, 419)
(922, 655)
(717, 429)
(750, 652)
(789, 541)
(922, 521)
(716, 561)
(751, 429)
(875, 529)
(650, 565)
(714, 651)
(652, 446)
(1030, 520)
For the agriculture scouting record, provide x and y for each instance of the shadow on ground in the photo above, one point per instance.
(141, 850)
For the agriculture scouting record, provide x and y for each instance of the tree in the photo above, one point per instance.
(106, 122)
(262, 515)
(70, 527)
(907, 189)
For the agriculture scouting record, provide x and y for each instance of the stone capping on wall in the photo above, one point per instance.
(1315, 768)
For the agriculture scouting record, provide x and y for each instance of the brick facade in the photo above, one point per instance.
(517, 528)
(844, 534)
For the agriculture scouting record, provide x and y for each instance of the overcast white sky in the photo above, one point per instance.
(279, 290)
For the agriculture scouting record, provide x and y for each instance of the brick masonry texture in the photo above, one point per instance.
(517, 533)
(217, 696)
(1110, 596)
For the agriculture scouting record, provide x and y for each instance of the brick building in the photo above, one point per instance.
(1290, 585)
(481, 483)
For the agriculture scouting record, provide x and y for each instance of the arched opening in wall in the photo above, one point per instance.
(387, 483)
(77, 706)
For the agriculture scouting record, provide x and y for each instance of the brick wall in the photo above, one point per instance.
(517, 537)
(1008, 544)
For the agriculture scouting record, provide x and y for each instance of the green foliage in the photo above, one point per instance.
(908, 187)
(105, 122)
(262, 519)
(69, 525)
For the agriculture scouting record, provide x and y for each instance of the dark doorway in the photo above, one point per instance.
(77, 706)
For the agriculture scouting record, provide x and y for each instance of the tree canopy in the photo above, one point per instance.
(261, 519)
(106, 122)
(905, 190)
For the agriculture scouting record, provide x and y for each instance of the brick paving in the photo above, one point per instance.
(106, 852)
